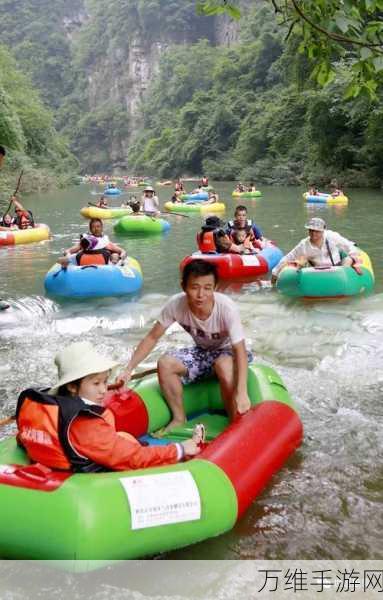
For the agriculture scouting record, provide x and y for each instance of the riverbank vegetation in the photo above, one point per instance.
(32, 81)
(267, 108)
(253, 112)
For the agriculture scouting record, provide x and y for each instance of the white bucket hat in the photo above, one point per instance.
(149, 188)
(79, 360)
(316, 224)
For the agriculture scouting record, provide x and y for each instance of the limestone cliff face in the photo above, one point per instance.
(123, 74)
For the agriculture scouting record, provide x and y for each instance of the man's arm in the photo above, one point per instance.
(73, 249)
(143, 349)
(115, 248)
(344, 244)
(296, 253)
(241, 397)
(17, 203)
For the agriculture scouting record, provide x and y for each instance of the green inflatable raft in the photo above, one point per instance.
(329, 282)
(141, 224)
(198, 207)
(255, 194)
(58, 515)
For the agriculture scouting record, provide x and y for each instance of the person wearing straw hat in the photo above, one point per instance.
(322, 248)
(68, 427)
(150, 203)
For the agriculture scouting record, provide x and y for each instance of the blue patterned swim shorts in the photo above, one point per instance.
(199, 361)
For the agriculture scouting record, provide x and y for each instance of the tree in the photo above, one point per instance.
(329, 31)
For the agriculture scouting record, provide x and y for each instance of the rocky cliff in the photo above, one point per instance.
(121, 75)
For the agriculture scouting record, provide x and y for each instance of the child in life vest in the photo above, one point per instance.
(68, 427)
(241, 242)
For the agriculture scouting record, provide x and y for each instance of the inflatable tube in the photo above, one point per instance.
(112, 192)
(94, 212)
(56, 515)
(240, 266)
(331, 282)
(197, 208)
(141, 224)
(325, 199)
(11, 237)
(94, 281)
(255, 194)
(208, 188)
(200, 197)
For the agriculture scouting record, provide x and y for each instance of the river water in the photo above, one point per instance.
(327, 502)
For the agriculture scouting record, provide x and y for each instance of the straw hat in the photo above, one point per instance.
(316, 224)
(149, 189)
(79, 360)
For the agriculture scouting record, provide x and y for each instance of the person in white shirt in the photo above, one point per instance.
(150, 203)
(96, 229)
(322, 248)
(213, 321)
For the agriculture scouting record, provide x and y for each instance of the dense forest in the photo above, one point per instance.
(253, 112)
(28, 100)
(248, 109)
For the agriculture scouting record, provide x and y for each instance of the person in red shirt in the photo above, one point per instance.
(68, 428)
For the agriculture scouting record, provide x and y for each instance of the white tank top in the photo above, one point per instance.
(150, 204)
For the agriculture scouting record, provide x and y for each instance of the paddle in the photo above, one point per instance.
(15, 192)
(174, 214)
(112, 386)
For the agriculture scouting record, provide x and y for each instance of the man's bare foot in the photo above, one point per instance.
(174, 423)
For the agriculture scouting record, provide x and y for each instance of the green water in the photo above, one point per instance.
(327, 502)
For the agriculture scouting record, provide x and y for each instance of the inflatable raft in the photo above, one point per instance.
(112, 191)
(200, 197)
(11, 237)
(329, 282)
(94, 212)
(255, 194)
(141, 224)
(94, 281)
(240, 266)
(55, 515)
(199, 207)
(325, 199)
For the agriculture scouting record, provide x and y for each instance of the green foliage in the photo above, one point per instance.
(328, 31)
(36, 35)
(268, 108)
(95, 135)
(26, 125)
(252, 112)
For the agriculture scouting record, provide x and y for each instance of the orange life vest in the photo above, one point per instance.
(43, 429)
(93, 257)
(205, 241)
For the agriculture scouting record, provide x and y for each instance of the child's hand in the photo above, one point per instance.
(124, 377)
(191, 448)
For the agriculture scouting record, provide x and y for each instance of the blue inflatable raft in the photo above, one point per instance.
(94, 281)
(200, 197)
(112, 192)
